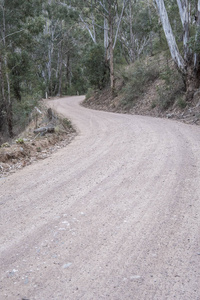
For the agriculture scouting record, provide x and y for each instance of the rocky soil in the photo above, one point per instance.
(30, 147)
(146, 104)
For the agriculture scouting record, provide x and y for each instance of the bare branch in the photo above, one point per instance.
(119, 22)
(88, 29)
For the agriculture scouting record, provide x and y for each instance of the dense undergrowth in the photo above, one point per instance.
(138, 77)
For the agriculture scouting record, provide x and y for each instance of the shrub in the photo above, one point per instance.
(97, 70)
(136, 80)
(153, 104)
(20, 141)
(181, 102)
(89, 94)
(172, 87)
(67, 123)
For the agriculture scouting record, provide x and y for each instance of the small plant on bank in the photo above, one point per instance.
(181, 103)
(20, 141)
(67, 123)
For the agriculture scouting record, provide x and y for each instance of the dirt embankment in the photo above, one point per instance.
(146, 104)
(29, 147)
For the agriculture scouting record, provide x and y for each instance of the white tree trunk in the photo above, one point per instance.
(92, 35)
(131, 52)
(111, 49)
(106, 39)
(176, 56)
(119, 23)
(5, 56)
(184, 13)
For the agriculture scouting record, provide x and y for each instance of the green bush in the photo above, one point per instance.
(20, 141)
(181, 102)
(96, 69)
(136, 80)
(153, 105)
(172, 87)
(67, 123)
(89, 94)
(23, 109)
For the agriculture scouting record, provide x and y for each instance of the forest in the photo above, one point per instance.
(53, 48)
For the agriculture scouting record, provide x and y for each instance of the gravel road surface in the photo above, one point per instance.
(114, 215)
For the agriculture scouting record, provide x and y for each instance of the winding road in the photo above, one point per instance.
(115, 215)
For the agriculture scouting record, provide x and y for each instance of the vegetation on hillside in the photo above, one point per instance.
(55, 48)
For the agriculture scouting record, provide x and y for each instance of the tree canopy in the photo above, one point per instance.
(52, 47)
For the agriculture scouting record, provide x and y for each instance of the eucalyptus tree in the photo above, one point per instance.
(62, 46)
(105, 17)
(17, 30)
(138, 25)
(188, 61)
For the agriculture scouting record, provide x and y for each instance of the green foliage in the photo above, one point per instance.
(90, 93)
(96, 69)
(67, 123)
(181, 102)
(137, 79)
(153, 105)
(22, 111)
(172, 87)
(35, 25)
(20, 141)
(194, 42)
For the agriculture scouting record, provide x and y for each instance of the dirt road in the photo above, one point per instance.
(114, 215)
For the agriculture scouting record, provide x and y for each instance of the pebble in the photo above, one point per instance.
(65, 266)
(135, 277)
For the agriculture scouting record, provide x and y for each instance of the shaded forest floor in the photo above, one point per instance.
(29, 147)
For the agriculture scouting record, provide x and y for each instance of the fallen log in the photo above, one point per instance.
(49, 129)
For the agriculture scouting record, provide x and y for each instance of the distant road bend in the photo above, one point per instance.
(114, 215)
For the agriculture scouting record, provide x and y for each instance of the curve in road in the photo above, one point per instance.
(114, 215)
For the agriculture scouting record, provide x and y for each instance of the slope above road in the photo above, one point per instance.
(114, 215)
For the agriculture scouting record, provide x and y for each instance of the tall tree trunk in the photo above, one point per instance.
(2, 84)
(176, 56)
(3, 99)
(106, 40)
(112, 83)
(9, 119)
(60, 70)
(150, 37)
(68, 70)
(184, 13)
(190, 72)
(8, 102)
(132, 52)
(50, 30)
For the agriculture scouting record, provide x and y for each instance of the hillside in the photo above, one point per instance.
(30, 146)
(152, 88)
